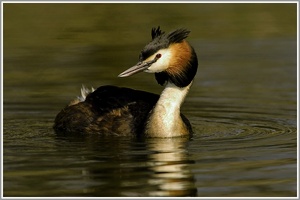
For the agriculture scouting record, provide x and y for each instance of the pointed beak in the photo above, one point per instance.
(140, 66)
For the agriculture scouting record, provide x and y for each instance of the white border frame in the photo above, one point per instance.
(1, 106)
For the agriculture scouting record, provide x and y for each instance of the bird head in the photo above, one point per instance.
(169, 56)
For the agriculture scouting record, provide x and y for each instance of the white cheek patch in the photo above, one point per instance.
(162, 63)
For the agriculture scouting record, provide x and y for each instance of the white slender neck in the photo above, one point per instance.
(165, 119)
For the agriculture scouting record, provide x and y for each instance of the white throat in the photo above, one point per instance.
(165, 119)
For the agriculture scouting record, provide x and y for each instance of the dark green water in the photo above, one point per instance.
(243, 104)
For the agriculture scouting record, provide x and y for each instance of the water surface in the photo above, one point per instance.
(242, 105)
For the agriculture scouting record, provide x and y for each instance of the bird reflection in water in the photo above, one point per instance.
(124, 167)
(170, 164)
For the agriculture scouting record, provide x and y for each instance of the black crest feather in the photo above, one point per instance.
(160, 40)
(177, 35)
(155, 32)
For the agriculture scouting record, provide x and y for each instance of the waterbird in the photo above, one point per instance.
(112, 110)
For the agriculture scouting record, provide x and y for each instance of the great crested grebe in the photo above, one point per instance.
(111, 110)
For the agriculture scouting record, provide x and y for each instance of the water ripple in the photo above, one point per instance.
(243, 123)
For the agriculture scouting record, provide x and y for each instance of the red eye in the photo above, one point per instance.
(158, 55)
